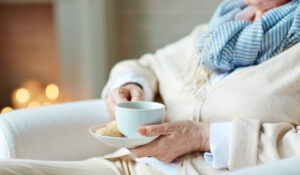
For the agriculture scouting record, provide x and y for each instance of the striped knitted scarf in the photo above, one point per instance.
(229, 44)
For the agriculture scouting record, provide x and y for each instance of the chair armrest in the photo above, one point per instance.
(56, 132)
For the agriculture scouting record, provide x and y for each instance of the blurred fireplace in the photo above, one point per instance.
(28, 47)
(67, 42)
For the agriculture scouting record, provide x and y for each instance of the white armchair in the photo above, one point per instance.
(56, 132)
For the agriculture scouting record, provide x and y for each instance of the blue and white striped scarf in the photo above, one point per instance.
(229, 44)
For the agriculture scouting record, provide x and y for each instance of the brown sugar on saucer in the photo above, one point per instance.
(111, 129)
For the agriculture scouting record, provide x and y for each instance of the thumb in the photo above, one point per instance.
(156, 130)
(122, 95)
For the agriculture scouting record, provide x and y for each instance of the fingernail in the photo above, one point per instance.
(143, 131)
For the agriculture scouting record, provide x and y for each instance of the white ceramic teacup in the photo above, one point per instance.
(132, 115)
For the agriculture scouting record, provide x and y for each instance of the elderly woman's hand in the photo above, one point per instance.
(176, 139)
(128, 92)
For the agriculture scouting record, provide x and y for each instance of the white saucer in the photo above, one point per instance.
(120, 142)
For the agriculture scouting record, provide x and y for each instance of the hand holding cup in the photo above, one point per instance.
(126, 93)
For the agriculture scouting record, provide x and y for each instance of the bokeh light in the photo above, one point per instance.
(33, 104)
(52, 91)
(22, 95)
(6, 109)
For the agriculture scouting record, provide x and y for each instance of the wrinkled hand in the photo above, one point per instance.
(176, 139)
(128, 92)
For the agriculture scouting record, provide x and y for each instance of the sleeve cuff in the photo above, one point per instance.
(244, 143)
(219, 145)
(132, 78)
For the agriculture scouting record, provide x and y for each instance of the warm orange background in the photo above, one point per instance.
(27, 46)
